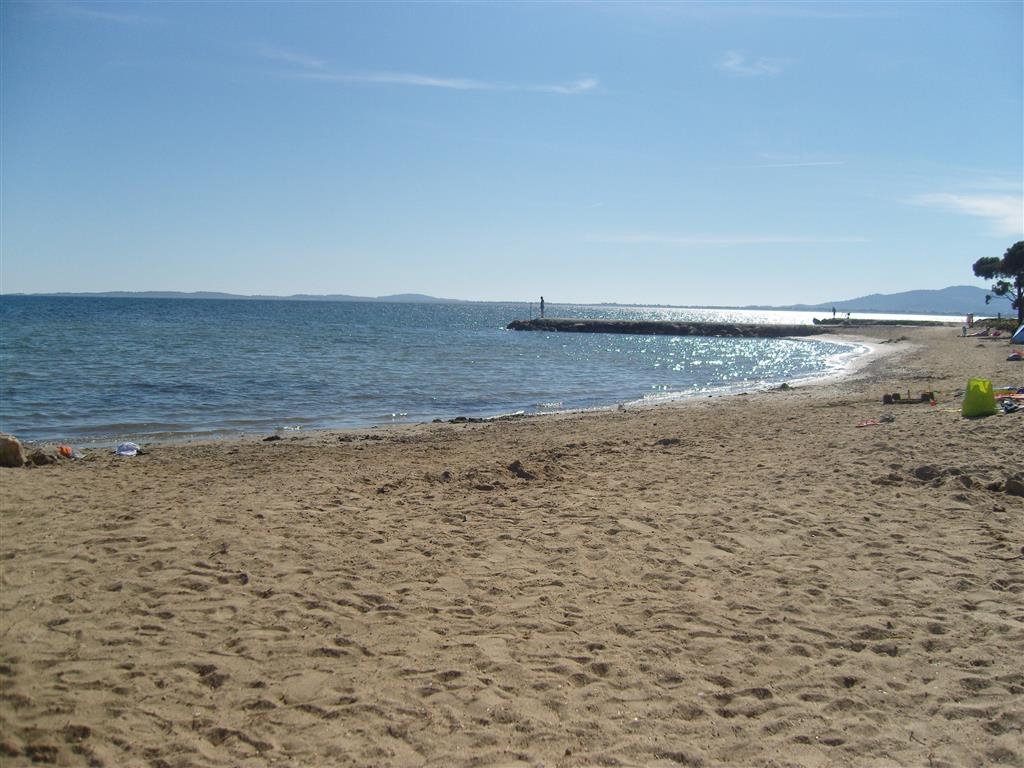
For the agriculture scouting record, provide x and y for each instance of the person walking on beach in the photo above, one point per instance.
(542, 307)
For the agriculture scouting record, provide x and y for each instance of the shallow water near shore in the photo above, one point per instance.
(102, 369)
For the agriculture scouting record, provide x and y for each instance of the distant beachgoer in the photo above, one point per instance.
(542, 306)
(833, 313)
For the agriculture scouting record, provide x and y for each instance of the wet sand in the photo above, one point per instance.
(752, 580)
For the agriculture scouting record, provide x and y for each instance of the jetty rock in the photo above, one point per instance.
(665, 328)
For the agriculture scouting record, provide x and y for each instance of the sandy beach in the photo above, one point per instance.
(752, 580)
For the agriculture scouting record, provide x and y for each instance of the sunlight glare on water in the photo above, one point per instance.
(98, 369)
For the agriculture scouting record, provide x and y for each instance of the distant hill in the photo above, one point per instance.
(955, 300)
(400, 298)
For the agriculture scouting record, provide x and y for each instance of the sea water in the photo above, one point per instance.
(95, 370)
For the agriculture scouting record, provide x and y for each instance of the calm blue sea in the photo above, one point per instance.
(95, 370)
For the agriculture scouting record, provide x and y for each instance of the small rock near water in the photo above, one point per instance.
(11, 452)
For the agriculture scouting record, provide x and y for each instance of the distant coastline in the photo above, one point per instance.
(398, 298)
(957, 300)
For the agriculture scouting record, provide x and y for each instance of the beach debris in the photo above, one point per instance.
(667, 441)
(885, 418)
(12, 454)
(130, 449)
(897, 398)
(272, 438)
(40, 457)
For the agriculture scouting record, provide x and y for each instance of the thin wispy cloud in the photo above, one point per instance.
(1005, 212)
(721, 240)
(577, 86)
(737, 63)
(288, 56)
(303, 66)
(395, 78)
(451, 83)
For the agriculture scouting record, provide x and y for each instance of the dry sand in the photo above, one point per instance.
(740, 581)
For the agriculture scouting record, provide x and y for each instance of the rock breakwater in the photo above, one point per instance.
(665, 327)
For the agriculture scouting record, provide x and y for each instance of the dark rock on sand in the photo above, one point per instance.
(517, 469)
(1014, 486)
(927, 472)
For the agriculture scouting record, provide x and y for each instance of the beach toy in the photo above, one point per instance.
(65, 451)
(979, 400)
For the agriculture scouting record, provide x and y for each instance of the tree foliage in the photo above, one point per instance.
(1007, 275)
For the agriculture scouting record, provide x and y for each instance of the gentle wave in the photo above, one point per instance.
(101, 370)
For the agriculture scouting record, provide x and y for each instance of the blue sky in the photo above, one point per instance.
(678, 153)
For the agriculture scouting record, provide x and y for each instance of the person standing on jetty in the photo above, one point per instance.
(542, 307)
